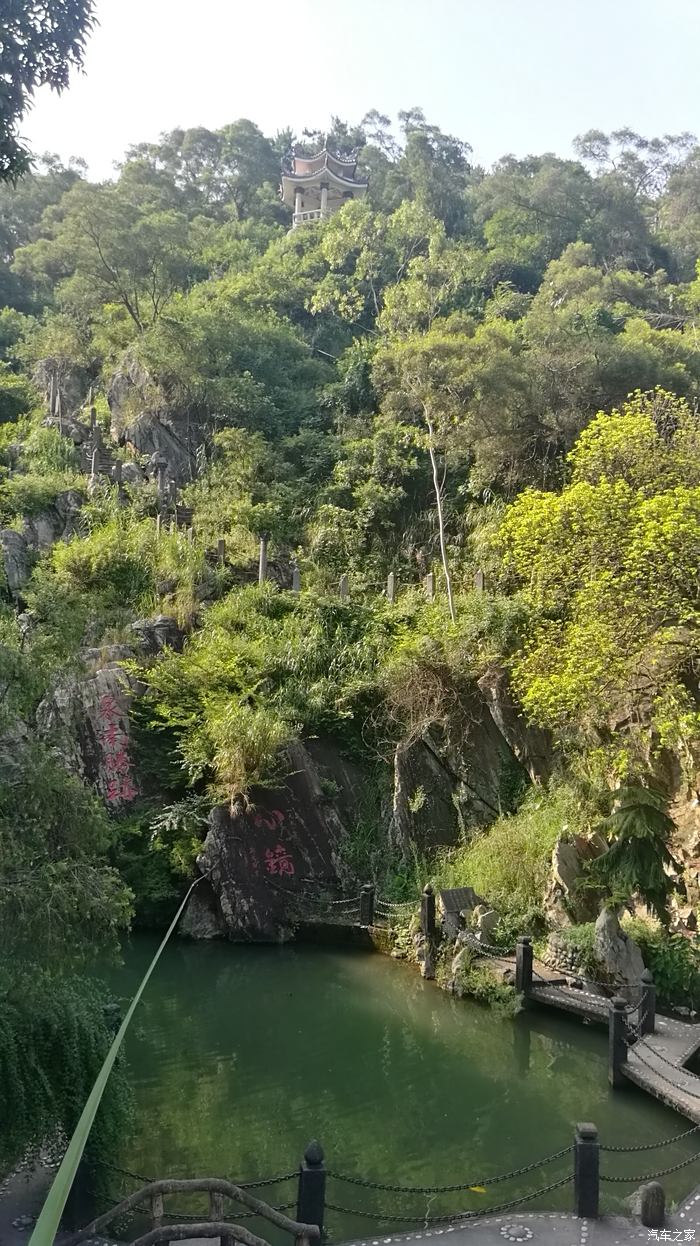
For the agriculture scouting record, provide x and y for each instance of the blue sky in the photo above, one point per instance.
(507, 75)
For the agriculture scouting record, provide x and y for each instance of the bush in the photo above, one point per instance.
(674, 962)
(509, 863)
(31, 493)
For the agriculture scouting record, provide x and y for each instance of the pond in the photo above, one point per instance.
(240, 1055)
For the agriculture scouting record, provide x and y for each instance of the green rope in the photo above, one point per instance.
(47, 1225)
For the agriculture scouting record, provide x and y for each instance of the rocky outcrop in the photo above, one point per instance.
(16, 558)
(617, 953)
(566, 903)
(155, 635)
(268, 855)
(443, 788)
(57, 523)
(202, 918)
(533, 746)
(85, 718)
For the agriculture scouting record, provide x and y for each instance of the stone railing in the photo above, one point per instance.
(300, 218)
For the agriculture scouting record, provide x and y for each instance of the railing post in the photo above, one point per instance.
(343, 588)
(617, 1041)
(367, 905)
(311, 1195)
(156, 1201)
(480, 581)
(216, 1213)
(221, 551)
(296, 579)
(586, 1171)
(523, 964)
(647, 1004)
(427, 912)
(391, 587)
(430, 586)
(262, 562)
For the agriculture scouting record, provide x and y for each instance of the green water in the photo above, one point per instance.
(240, 1055)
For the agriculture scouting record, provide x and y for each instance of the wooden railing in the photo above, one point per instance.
(217, 1225)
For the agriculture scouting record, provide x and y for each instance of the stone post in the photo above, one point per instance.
(262, 564)
(367, 905)
(117, 473)
(427, 912)
(296, 579)
(652, 1205)
(343, 588)
(172, 491)
(216, 1213)
(617, 1041)
(81, 1205)
(221, 551)
(391, 587)
(156, 1201)
(162, 476)
(479, 581)
(523, 964)
(297, 200)
(158, 525)
(311, 1194)
(586, 1171)
(430, 586)
(647, 1004)
(324, 202)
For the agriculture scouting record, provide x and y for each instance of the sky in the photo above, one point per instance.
(509, 76)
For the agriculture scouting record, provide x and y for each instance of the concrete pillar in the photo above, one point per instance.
(479, 581)
(296, 580)
(343, 588)
(297, 200)
(367, 905)
(647, 1004)
(311, 1194)
(324, 201)
(427, 912)
(262, 564)
(391, 587)
(617, 1041)
(523, 963)
(430, 586)
(586, 1171)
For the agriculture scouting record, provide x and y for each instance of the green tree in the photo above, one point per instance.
(40, 46)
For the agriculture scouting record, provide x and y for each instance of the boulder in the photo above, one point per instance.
(266, 854)
(649, 1204)
(486, 920)
(132, 474)
(78, 432)
(202, 918)
(161, 437)
(16, 559)
(564, 902)
(85, 718)
(157, 634)
(57, 523)
(618, 954)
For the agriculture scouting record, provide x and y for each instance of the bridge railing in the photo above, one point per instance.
(151, 1196)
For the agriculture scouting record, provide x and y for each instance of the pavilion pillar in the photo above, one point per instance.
(297, 200)
(324, 201)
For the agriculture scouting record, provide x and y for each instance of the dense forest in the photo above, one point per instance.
(466, 371)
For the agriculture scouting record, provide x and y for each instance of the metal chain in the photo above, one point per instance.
(651, 1176)
(676, 1085)
(454, 1216)
(652, 1146)
(449, 1189)
(244, 1185)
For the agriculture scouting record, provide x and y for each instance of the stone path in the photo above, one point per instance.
(656, 1064)
(560, 1229)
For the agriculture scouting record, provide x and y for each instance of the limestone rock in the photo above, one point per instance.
(85, 718)
(202, 918)
(486, 922)
(57, 523)
(78, 432)
(132, 474)
(533, 746)
(563, 902)
(649, 1203)
(16, 559)
(445, 786)
(618, 953)
(266, 855)
(157, 634)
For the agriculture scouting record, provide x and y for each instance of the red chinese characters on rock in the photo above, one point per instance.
(114, 744)
(278, 860)
(271, 821)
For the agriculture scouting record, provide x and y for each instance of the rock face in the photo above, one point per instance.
(533, 746)
(618, 953)
(202, 918)
(266, 857)
(57, 523)
(154, 635)
(565, 903)
(16, 559)
(86, 719)
(443, 788)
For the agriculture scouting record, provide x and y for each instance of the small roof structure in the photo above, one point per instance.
(308, 172)
(457, 899)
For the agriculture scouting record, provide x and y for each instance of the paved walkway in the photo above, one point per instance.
(560, 1229)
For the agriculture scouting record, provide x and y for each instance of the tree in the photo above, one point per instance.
(40, 44)
(638, 860)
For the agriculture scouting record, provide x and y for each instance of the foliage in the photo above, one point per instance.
(39, 47)
(638, 860)
(509, 863)
(674, 962)
(479, 981)
(54, 1035)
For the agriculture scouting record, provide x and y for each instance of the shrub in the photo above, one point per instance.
(674, 962)
(509, 863)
